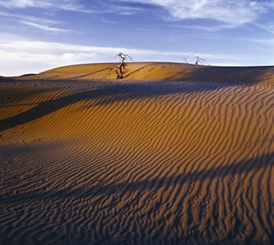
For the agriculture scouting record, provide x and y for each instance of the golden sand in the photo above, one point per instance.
(172, 154)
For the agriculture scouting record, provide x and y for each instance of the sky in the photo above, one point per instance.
(37, 35)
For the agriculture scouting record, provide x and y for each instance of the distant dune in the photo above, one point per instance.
(172, 154)
(149, 71)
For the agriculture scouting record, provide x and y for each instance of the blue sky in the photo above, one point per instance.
(36, 35)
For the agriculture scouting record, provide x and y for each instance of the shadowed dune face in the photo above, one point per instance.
(107, 94)
(185, 161)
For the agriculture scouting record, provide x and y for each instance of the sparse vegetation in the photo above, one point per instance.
(185, 59)
(199, 60)
(122, 68)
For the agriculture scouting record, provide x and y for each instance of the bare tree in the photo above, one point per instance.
(199, 60)
(185, 59)
(121, 69)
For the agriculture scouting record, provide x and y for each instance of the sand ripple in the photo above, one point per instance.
(185, 161)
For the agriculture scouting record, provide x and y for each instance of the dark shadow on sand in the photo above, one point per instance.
(241, 169)
(201, 80)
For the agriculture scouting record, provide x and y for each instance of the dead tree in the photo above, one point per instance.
(185, 58)
(121, 69)
(199, 60)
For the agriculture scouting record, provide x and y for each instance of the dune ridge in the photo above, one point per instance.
(149, 71)
(177, 155)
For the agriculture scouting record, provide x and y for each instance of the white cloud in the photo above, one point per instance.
(70, 5)
(18, 57)
(60, 48)
(108, 21)
(212, 28)
(29, 18)
(38, 23)
(107, 6)
(46, 28)
(24, 3)
(269, 27)
(232, 12)
(109, 52)
(265, 42)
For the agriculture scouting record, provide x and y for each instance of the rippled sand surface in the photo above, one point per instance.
(173, 154)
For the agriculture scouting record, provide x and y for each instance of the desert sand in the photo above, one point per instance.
(171, 154)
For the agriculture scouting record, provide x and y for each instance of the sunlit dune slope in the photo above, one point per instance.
(149, 71)
(173, 154)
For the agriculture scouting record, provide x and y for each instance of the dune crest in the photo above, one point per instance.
(173, 154)
(150, 71)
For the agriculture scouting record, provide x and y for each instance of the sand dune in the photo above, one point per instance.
(172, 154)
(149, 71)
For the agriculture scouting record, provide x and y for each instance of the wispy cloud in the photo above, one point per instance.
(25, 3)
(108, 21)
(212, 28)
(110, 52)
(267, 43)
(46, 28)
(28, 56)
(69, 5)
(108, 6)
(232, 12)
(269, 27)
(61, 48)
(43, 24)
(94, 7)
(29, 18)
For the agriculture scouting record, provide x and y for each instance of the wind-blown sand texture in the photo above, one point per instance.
(173, 154)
